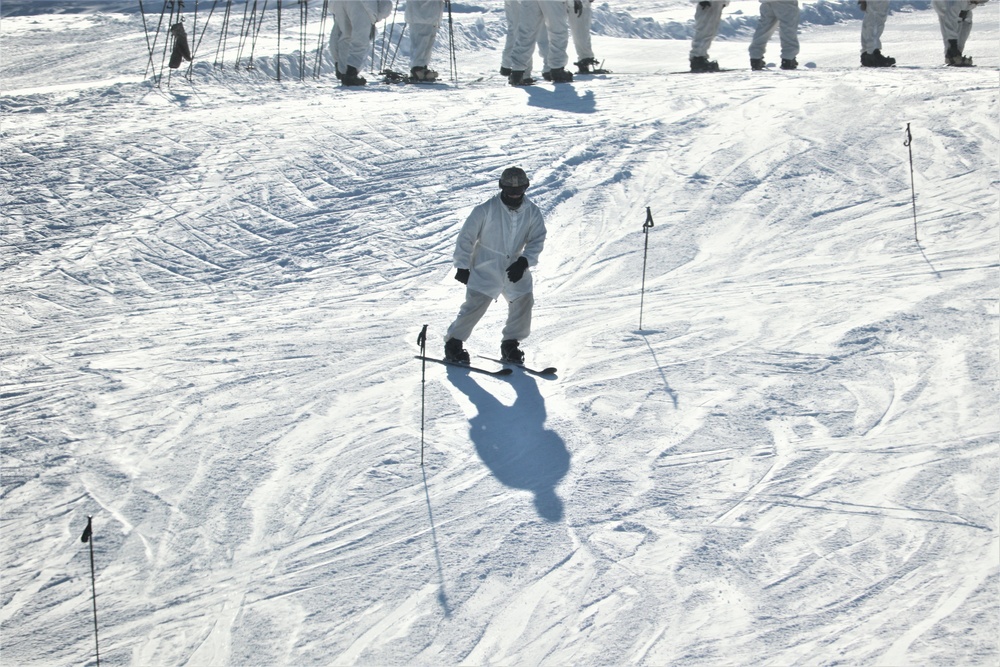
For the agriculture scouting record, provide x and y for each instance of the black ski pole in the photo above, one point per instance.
(422, 342)
(913, 188)
(452, 60)
(646, 226)
(88, 537)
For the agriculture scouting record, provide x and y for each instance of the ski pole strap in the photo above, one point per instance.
(649, 220)
(909, 137)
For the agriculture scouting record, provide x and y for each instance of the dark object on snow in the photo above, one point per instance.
(181, 50)
(510, 352)
(876, 59)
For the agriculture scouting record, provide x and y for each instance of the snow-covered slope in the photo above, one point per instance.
(211, 298)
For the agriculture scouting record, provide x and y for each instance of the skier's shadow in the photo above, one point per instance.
(514, 443)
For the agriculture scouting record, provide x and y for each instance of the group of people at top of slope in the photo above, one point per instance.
(954, 17)
(503, 237)
(548, 24)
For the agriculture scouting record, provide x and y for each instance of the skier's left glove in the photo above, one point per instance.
(516, 270)
(462, 276)
(578, 7)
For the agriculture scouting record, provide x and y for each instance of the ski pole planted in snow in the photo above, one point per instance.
(422, 342)
(88, 537)
(646, 226)
(913, 188)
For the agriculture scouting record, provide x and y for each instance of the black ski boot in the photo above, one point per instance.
(423, 75)
(352, 78)
(757, 64)
(953, 56)
(876, 59)
(560, 75)
(789, 63)
(517, 78)
(510, 352)
(504, 71)
(703, 64)
(453, 351)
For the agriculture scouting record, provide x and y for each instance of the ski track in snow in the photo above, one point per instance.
(212, 297)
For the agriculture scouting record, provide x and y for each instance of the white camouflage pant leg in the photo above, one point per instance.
(873, 25)
(529, 18)
(475, 306)
(510, 8)
(781, 14)
(557, 27)
(579, 28)
(953, 26)
(518, 326)
(706, 27)
(355, 34)
(422, 37)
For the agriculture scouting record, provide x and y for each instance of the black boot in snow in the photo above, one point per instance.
(560, 75)
(352, 78)
(453, 351)
(791, 63)
(509, 351)
(703, 64)
(757, 64)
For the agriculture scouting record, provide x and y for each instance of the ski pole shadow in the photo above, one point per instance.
(562, 98)
(514, 443)
(663, 376)
(442, 594)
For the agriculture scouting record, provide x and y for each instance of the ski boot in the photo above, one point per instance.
(510, 352)
(352, 78)
(423, 75)
(517, 78)
(757, 64)
(703, 64)
(454, 352)
(789, 63)
(876, 59)
(560, 75)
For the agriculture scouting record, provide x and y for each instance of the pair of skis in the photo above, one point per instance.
(508, 367)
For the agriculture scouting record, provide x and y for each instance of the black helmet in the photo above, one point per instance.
(513, 177)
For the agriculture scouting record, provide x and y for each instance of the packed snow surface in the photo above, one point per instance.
(213, 283)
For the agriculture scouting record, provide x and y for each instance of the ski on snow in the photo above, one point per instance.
(545, 372)
(473, 369)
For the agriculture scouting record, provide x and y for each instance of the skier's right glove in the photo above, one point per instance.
(462, 276)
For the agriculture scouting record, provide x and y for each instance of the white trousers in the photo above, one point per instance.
(355, 34)
(512, 9)
(953, 26)
(706, 27)
(579, 28)
(781, 14)
(873, 24)
(422, 38)
(476, 304)
(533, 14)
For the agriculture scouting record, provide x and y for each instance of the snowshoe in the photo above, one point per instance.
(958, 61)
(454, 352)
(510, 352)
(703, 64)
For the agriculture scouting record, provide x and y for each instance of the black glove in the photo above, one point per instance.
(516, 270)
(578, 7)
(462, 276)
(705, 4)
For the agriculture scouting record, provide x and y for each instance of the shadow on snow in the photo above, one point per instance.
(514, 443)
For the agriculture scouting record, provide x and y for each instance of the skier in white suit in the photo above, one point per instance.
(499, 241)
(423, 18)
(783, 15)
